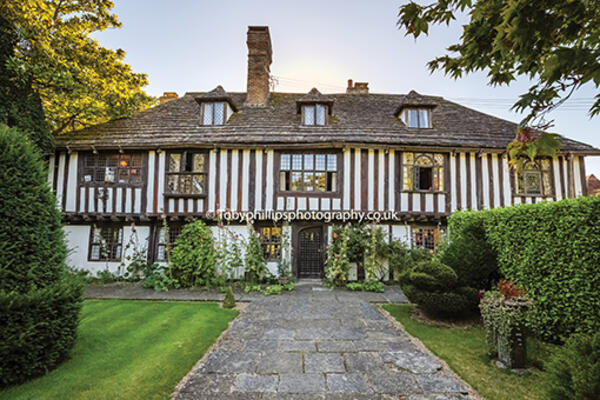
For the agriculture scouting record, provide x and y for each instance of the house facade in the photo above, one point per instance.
(293, 163)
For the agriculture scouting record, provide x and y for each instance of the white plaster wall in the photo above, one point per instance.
(401, 232)
(77, 238)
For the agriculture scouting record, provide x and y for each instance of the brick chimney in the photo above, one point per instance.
(259, 65)
(358, 88)
(167, 96)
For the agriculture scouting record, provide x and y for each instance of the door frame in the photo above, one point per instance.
(296, 229)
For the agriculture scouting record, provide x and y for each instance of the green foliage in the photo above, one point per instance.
(505, 322)
(80, 82)
(367, 286)
(552, 251)
(434, 287)
(229, 301)
(39, 298)
(289, 286)
(20, 105)
(252, 288)
(554, 43)
(38, 329)
(574, 371)
(355, 286)
(468, 252)
(256, 265)
(229, 252)
(32, 248)
(156, 276)
(194, 256)
(338, 263)
(273, 289)
(284, 266)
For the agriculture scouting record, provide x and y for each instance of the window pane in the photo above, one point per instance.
(321, 114)
(309, 115)
(109, 175)
(123, 175)
(308, 161)
(283, 184)
(197, 183)
(173, 183)
(219, 113)
(297, 161)
(320, 162)
(320, 181)
(532, 183)
(424, 161)
(413, 119)
(160, 254)
(331, 162)
(332, 184)
(198, 162)
(296, 180)
(438, 159)
(407, 178)
(136, 160)
(423, 119)
(408, 158)
(545, 163)
(174, 162)
(95, 255)
(208, 112)
(308, 181)
(285, 161)
(440, 185)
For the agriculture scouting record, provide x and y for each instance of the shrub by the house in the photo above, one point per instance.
(256, 265)
(193, 257)
(552, 251)
(574, 371)
(435, 288)
(39, 299)
(468, 252)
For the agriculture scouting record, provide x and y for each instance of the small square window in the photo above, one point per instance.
(314, 115)
(416, 118)
(214, 113)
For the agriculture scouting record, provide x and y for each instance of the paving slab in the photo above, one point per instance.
(318, 344)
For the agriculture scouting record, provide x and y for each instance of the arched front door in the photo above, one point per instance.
(310, 252)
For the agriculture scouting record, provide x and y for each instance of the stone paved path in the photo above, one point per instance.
(317, 344)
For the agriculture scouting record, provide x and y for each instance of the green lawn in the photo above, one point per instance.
(130, 350)
(464, 351)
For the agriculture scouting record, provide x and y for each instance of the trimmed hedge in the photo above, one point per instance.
(39, 298)
(552, 251)
(38, 329)
(433, 286)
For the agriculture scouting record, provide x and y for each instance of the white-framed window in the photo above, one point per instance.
(416, 117)
(534, 179)
(214, 113)
(314, 114)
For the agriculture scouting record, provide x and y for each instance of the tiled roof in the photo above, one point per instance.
(358, 119)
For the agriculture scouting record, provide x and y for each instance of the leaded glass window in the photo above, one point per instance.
(106, 243)
(270, 240)
(112, 168)
(214, 113)
(423, 172)
(534, 179)
(416, 117)
(314, 114)
(166, 241)
(186, 173)
(308, 172)
(425, 238)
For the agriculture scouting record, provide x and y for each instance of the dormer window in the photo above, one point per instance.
(315, 114)
(213, 113)
(416, 118)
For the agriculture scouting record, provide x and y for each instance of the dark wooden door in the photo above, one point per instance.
(310, 256)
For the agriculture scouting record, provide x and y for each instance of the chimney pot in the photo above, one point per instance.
(259, 65)
(358, 88)
(167, 96)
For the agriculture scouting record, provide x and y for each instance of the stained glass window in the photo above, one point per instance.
(534, 179)
(423, 172)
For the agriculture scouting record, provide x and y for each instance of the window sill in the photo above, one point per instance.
(184, 195)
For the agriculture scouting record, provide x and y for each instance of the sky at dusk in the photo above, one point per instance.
(186, 46)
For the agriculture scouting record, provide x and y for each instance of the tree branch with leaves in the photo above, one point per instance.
(80, 82)
(556, 44)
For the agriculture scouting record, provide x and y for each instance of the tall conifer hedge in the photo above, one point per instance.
(39, 298)
(552, 250)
